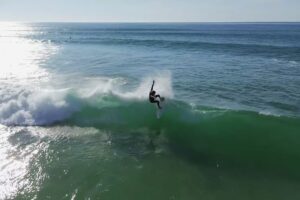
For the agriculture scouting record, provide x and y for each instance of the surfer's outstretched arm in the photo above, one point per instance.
(152, 86)
(157, 96)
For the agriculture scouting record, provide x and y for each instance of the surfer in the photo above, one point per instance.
(153, 96)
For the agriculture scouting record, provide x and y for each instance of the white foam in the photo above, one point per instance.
(268, 113)
(37, 106)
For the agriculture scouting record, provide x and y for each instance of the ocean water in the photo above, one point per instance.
(75, 122)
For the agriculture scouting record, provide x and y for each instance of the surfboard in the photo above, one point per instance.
(159, 112)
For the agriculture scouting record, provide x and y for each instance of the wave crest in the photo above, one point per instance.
(46, 106)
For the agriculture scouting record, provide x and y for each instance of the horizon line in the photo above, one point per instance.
(157, 22)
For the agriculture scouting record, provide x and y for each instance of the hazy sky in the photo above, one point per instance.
(150, 10)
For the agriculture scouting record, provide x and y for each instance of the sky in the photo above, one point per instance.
(150, 10)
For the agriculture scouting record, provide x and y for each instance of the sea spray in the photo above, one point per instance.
(37, 106)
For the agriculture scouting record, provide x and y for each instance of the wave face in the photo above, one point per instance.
(231, 138)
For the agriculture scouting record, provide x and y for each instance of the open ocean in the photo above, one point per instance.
(75, 121)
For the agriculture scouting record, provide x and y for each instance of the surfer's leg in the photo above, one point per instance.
(159, 105)
(157, 102)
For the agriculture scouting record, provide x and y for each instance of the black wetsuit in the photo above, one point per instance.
(152, 96)
(152, 99)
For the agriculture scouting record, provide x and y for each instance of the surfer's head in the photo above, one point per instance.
(152, 92)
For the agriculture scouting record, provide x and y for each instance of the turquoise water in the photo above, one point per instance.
(76, 122)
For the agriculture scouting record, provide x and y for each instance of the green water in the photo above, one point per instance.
(190, 153)
(128, 166)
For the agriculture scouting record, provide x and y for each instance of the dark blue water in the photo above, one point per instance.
(239, 66)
